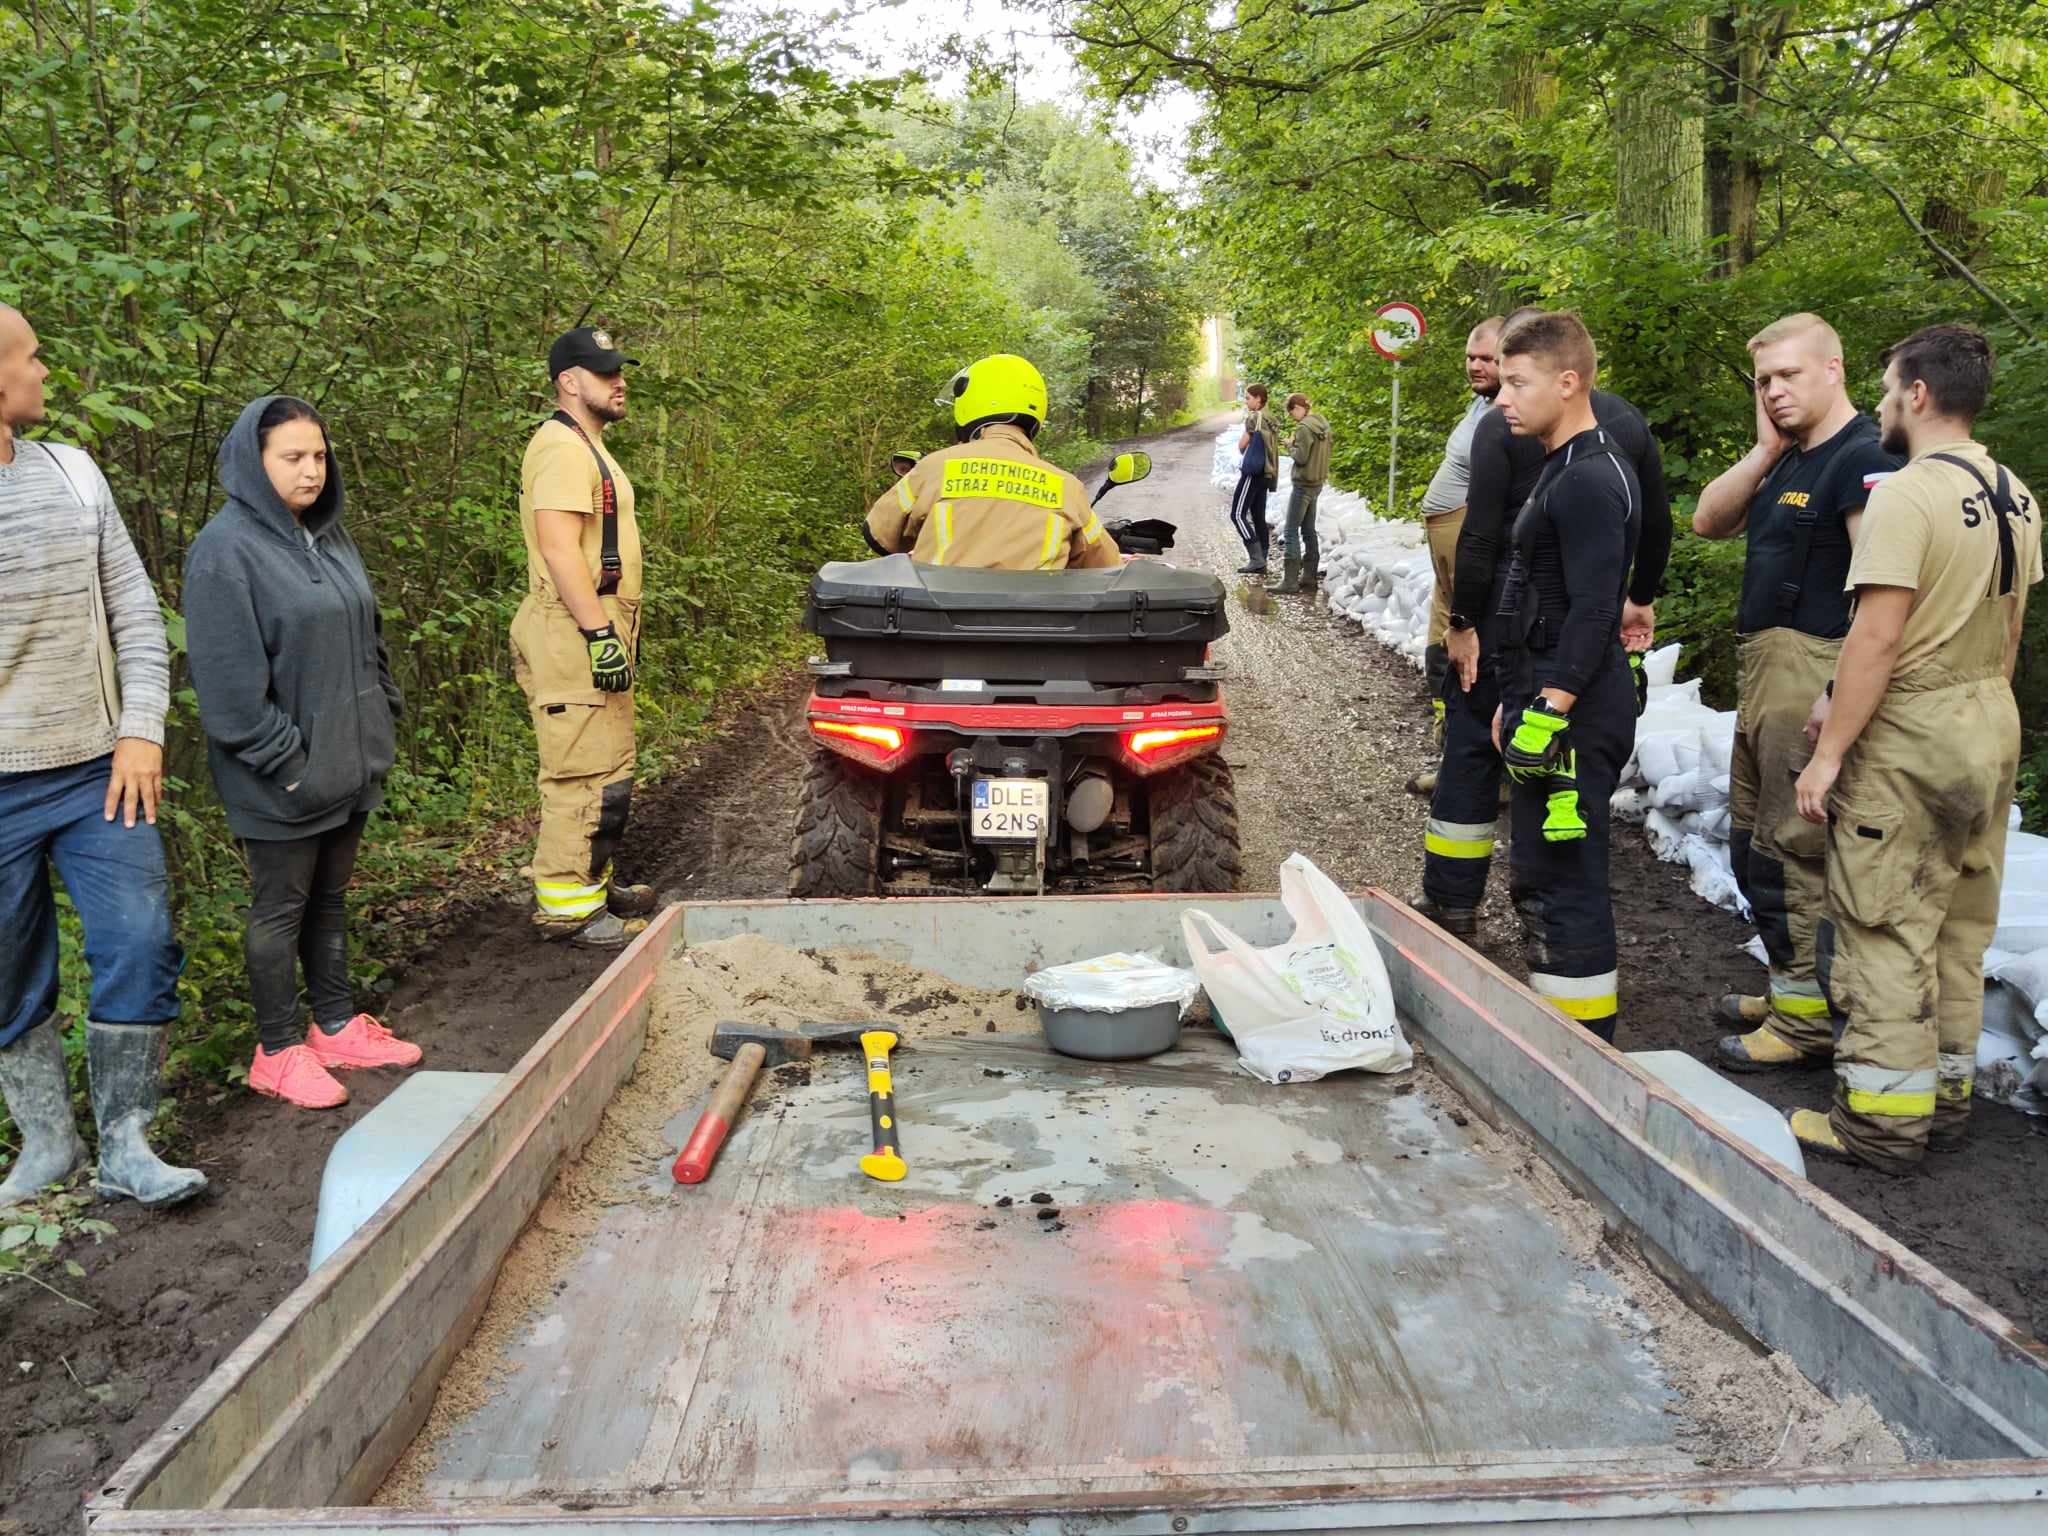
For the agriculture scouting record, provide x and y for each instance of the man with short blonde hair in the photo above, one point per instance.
(1798, 497)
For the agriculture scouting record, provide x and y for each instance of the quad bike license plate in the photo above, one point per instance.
(1008, 810)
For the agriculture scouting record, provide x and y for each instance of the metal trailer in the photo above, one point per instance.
(825, 1353)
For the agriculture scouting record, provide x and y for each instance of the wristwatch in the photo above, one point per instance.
(1459, 621)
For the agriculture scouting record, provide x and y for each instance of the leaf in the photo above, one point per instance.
(15, 1236)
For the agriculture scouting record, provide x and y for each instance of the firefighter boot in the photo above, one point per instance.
(1761, 1050)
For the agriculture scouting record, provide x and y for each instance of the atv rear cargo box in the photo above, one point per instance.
(897, 621)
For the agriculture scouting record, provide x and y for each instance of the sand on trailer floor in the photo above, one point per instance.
(1739, 1406)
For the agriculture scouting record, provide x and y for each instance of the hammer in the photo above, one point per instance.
(749, 1047)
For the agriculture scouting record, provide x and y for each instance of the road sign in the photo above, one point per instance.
(1400, 328)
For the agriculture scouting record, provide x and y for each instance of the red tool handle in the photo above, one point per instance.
(693, 1163)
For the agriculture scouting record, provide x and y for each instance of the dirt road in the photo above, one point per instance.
(1327, 727)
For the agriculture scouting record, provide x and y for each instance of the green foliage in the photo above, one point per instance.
(33, 1236)
(1879, 164)
(391, 211)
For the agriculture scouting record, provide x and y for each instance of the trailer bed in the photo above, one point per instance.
(1244, 1285)
(1260, 1309)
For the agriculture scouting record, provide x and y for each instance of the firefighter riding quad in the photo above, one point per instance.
(1017, 732)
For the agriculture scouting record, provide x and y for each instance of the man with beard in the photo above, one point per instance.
(575, 641)
(1912, 776)
(1465, 791)
(1797, 497)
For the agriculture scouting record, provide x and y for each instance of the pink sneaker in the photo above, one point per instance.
(295, 1075)
(362, 1042)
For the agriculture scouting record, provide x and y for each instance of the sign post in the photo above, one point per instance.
(1400, 327)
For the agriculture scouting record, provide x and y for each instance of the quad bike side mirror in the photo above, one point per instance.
(1126, 468)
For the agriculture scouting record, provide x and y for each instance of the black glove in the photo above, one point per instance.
(1532, 741)
(611, 670)
(1641, 679)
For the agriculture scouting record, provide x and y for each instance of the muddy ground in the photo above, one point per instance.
(1327, 727)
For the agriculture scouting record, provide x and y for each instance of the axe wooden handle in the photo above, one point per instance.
(693, 1163)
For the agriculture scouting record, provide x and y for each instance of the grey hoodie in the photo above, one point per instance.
(287, 653)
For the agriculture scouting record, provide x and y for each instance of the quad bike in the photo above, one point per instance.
(1017, 732)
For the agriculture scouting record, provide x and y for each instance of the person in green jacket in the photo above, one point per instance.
(1310, 451)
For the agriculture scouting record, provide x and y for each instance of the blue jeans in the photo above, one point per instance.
(116, 878)
(1299, 534)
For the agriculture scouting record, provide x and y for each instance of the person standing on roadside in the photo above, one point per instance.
(575, 641)
(1797, 498)
(1465, 790)
(1301, 554)
(1566, 723)
(1443, 504)
(85, 683)
(1258, 473)
(1912, 775)
(300, 713)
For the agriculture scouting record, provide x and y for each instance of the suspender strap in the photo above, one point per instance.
(2002, 505)
(610, 566)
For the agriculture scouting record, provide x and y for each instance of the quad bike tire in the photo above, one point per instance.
(1195, 843)
(838, 830)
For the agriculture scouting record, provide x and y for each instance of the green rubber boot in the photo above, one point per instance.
(1290, 574)
(38, 1094)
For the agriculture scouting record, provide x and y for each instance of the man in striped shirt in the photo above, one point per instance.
(84, 688)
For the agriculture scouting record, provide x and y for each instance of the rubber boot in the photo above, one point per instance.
(127, 1062)
(1760, 1051)
(38, 1094)
(1290, 574)
(631, 900)
(1458, 922)
(1423, 783)
(1311, 573)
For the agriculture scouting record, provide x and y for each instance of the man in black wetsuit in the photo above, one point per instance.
(1465, 799)
(1566, 722)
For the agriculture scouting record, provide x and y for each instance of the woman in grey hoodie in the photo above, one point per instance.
(300, 712)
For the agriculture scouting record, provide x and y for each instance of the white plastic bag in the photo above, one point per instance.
(1317, 1004)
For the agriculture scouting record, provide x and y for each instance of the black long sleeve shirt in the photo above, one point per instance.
(1504, 471)
(1570, 554)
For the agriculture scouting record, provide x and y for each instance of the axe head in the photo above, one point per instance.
(782, 1045)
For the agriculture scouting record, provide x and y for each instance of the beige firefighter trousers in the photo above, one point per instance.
(1443, 530)
(1916, 847)
(586, 755)
(1780, 858)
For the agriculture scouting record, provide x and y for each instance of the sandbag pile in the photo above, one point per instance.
(1376, 573)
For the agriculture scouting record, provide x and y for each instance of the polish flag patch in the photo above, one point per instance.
(1870, 481)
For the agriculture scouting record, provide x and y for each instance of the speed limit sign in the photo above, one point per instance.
(1400, 328)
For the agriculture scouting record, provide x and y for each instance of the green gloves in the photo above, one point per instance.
(1641, 679)
(1532, 742)
(611, 670)
(1562, 822)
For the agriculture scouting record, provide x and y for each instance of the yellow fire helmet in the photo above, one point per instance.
(1000, 388)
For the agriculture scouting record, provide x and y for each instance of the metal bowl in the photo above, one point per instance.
(1124, 1036)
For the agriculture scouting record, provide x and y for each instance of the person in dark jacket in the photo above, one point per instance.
(300, 712)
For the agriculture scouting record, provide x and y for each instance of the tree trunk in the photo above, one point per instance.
(1530, 91)
(1953, 219)
(1659, 171)
(1742, 46)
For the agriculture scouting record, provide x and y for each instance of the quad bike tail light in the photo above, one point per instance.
(878, 746)
(1158, 747)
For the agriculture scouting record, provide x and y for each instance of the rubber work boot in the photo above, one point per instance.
(1290, 574)
(631, 900)
(127, 1063)
(1311, 574)
(38, 1094)
(604, 931)
(361, 1042)
(295, 1075)
(1423, 784)
(1816, 1136)
(1761, 1050)
(1458, 922)
(1742, 1010)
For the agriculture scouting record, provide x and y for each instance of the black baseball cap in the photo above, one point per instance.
(586, 347)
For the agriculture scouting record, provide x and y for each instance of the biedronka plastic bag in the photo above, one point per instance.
(1319, 1003)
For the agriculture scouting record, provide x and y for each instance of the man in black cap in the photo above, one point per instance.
(575, 641)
